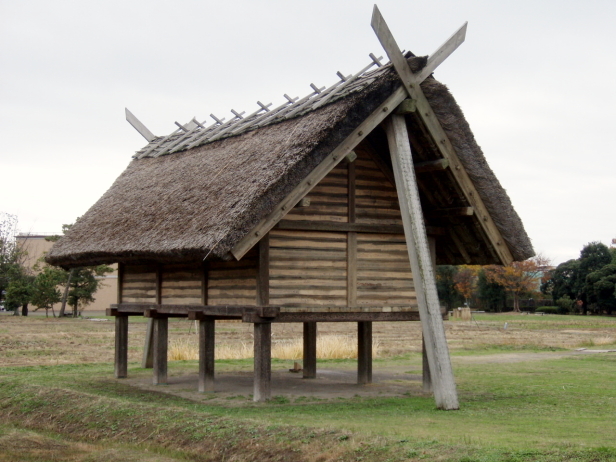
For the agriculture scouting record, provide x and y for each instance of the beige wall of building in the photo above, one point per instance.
(36, 246)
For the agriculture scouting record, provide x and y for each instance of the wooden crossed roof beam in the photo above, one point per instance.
(426, 114)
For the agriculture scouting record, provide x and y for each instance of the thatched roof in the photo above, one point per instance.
(201, 201)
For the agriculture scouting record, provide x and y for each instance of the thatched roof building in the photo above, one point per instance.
(293, 215)
(191, 195)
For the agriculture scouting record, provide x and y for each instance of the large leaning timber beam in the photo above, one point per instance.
(437, 352)
(423, 274)
(426, 114)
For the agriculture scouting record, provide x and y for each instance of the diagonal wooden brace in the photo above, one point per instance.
(428, 118)
(437, 352)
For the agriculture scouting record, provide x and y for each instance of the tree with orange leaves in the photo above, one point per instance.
(518, 277)
(465, 281)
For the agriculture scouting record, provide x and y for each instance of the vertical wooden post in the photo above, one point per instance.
(310, 350)
(263, 330)
(207, 334)
(364, 352)
(351, 240)
(161, 329)
(445, 393)
(120, 281)
(263, 361)
(352, 268)
(205, 282)
(121, 347)
(147, 360)
(263, 272)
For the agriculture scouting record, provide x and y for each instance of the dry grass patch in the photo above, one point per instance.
(183, 349)
(328, 347)
(28, 341)
(598, 341)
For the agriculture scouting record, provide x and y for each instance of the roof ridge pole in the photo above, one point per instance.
(445, 393)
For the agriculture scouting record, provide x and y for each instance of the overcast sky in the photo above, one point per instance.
(535, 78)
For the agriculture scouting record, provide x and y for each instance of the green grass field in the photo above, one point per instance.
(547, 408)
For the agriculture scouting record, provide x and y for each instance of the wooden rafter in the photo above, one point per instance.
(426, 114)
(137, 125)
(310, 181)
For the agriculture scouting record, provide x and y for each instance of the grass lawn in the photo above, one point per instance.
(519, 402)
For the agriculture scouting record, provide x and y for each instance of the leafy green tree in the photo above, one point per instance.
(492, 296)
(81, 283)
(14, 276)
(564, 281)
(84, 284)
(19, 293)
(572, 279)
(445, 285)
(601, 285)
(45, 288)
(593, 257)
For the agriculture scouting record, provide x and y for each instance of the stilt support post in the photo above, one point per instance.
(364, 352)
(206, 354)
(310, 350)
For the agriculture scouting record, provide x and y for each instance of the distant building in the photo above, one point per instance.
(36, 244)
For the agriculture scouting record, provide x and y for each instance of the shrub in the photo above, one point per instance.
(565, 305)
(550, 309)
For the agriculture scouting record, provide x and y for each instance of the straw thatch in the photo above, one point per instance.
(200, 202)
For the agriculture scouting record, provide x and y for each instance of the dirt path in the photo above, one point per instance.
(504, 358)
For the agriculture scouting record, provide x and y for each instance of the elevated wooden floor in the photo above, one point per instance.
(261, 317)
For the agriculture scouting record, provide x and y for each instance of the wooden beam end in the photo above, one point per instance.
(406, 107)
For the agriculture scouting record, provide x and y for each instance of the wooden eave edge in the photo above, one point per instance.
(319, 172)
(411, 82)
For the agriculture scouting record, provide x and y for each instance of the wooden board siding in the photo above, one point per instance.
(376, 200)
(233, 282)
(328, 199)
(383, 271)
(308, 268)
(138, 284)
(181, 284)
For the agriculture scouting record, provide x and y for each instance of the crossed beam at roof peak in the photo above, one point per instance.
(411, 81)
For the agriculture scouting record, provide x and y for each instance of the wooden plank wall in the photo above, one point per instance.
(384, 275)
(376, 198)
(383, 270)
(308, 268)
(233, 282)
(181, 284)
(138, 284)
(328, 199)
